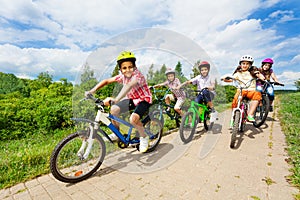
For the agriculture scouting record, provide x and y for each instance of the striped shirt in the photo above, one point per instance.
(179, 94)
(138, 93)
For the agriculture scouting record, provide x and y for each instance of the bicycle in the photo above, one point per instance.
(262, 110)
(196, 113)
(239, 113)
(80, 154)
(161, 107)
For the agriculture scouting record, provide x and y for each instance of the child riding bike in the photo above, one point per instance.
(267, 71)
(204, 80)
(135, 94)
(243, 74)
(172, 82)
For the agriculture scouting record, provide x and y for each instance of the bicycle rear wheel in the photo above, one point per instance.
(235, 128)
(187, 127)
(154, 129)
(67, 162)
(262, 111)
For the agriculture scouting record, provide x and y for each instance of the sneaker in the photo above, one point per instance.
(213, 116)
(271, 109)
(144, 142)
(250, 118)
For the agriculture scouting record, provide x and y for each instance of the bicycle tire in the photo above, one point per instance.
(188, 126)
(67, 164)
(235, 128)
(156, 115)
(178, 120)
(206, 121)
(155, 128)
(262, 112)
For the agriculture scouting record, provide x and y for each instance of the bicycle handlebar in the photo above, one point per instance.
(272, 82)
(96, 100)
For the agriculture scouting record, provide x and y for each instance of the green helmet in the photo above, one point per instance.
(125, 56)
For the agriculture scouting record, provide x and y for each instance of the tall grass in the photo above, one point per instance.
(27, 158)
(289, 113)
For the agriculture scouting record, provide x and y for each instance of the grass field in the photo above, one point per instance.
(25, 159)
(289, 114)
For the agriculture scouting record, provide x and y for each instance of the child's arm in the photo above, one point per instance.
(158, 85)
(274, 77)
(126, 88)
(183, 84)
(101, 84)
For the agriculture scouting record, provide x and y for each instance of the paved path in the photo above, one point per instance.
(204, 169)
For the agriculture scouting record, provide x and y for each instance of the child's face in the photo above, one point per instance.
(266, 66)
(171, 77)
(127, 68)
(245, 65)
(204, 71)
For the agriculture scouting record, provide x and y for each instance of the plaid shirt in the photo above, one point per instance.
(179, 94)
(138, 93)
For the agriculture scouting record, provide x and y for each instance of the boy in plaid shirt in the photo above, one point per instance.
(135, 95)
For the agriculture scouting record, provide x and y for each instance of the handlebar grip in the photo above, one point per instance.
(278, 84)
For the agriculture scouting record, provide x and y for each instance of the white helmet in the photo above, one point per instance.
(170, 71)
(247, 58)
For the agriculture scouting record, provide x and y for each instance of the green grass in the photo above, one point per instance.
(289, 114)
(27, 158)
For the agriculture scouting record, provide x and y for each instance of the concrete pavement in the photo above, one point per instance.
(206, 168)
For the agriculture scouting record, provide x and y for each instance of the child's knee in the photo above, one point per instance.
(134, 119)
(115, 110)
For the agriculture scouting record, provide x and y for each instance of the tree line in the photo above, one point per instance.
(41, 106)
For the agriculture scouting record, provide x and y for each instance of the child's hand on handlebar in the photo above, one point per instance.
(109, 101)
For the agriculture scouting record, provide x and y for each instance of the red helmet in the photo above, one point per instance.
(204, 64)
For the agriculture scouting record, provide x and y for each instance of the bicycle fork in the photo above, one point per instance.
(86, 145)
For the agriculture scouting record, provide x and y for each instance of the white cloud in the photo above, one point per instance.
(57, 62)
(283, 16)
(223, 29)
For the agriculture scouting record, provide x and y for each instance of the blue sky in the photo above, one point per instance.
(60, 36)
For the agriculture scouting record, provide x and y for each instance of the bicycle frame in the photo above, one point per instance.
(242, 108)
(194, 107)
(161, 101)
(242, 103)
(106, 118)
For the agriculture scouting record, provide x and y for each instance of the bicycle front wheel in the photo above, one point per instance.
(158, 115)
(74, 159)
(235, 128)
(262, 111)
(187, 127)
(206, 121)
(154, 130)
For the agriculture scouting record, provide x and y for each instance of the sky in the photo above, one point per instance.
(60, 37)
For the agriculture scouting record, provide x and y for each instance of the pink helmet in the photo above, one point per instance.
(267, 60)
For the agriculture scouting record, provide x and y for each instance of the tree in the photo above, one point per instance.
(195, 70)
(10, 83)
(297, 84)
(150, 74)
(178, 70)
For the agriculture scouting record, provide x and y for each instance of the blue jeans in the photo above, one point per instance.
(205, 96)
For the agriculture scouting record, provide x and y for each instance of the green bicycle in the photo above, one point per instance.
(195, 114)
